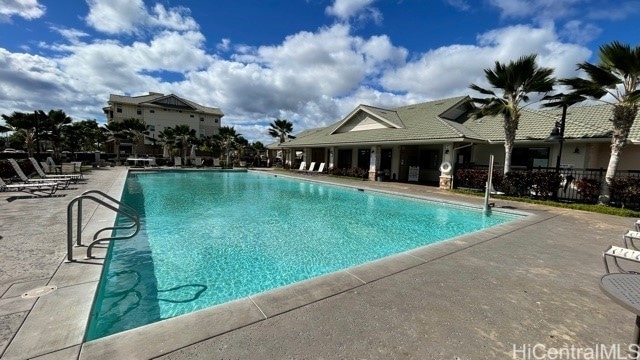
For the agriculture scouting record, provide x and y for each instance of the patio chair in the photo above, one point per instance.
(62, 183)
(216, 162)
(198, 161)
(53, 166)
(638, 225)
(177, 161)
(46, 188)
(320, 169)
(303, 165)
(629, 237)
(615, 253)
(312, 166)
(74, 177)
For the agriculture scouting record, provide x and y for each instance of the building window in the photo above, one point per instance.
(344, 159)
(139, 110)
(151, 127)
(119, 108)
(152, 111)
(530, 157)
(215, 120)
(201, 118)
(191, 115)
(364, 156)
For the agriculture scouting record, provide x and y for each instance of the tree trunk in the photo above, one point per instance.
(510, 127)
(605, 191)
(623, 117)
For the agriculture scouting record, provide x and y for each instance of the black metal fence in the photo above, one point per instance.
(568, 190)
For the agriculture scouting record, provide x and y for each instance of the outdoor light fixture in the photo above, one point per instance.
(577, 150)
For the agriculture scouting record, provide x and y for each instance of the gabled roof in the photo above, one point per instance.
(414, 123)
(448, 120)
(167, 101)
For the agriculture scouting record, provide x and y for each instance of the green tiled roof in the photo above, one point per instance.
(424, 123)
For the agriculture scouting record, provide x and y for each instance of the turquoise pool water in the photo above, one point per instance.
(212, 237)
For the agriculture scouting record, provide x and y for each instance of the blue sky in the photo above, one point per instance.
(308, 61)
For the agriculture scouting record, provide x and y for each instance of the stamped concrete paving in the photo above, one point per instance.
(532, 282)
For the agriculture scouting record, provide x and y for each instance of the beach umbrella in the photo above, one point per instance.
(193, 152)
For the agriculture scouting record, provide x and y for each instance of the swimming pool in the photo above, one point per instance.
(212, 237)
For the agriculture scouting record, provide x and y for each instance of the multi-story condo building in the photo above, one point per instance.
(161, 111)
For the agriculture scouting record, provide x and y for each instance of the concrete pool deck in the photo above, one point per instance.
(530, 282)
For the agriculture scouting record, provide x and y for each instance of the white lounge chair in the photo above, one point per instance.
(46, 188)
(177, 161)
(216, 162)
(615, 253)
(312, 166)
(198, 161)
(320, 169)
(41, 173)
(62, 183)
(303, 165)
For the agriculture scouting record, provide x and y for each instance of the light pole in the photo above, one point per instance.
(557, 134)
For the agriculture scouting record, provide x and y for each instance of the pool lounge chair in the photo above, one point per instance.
(320, 169)
(303, 165)
(177, 161)
(41, 173)
(615, 253)
(312, 166)
(40, 188)
(62, 183)
(198, 161)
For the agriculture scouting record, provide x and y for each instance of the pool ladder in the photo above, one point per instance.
(113, 204)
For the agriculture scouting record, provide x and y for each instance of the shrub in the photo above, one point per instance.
(625, 191)
(516, 184)
(476, 179)
(589, 189)
(545, 184)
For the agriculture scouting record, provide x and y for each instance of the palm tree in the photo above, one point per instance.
(226, 139)
(184, 136)
(615, 81)
(516, 80)
(135, 130)
(282, 130)
(167, 138)
(54, 123)
(115, 132)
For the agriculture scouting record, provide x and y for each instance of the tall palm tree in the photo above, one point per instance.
(226, 139)
(184, 136)
(54, 123)
(282, 130)
(515, 80)
(115, 132)
(135, 130)
(614, 80)
(167, 138)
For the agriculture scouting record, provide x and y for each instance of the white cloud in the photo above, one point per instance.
(27, 9)
(462, 5)
(312, 78)
(542, 10)
(132, 17)
(116, 16)
(358, 9)
(448, 71)
(579, 32)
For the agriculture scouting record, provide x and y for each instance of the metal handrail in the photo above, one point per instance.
(122, 208)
